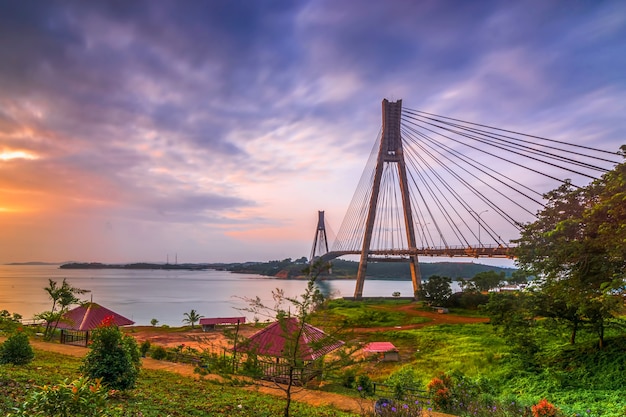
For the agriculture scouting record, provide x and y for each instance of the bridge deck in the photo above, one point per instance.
(451, 252)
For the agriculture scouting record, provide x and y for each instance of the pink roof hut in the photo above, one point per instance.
(274, 340)
(388, 351)
(76, 324)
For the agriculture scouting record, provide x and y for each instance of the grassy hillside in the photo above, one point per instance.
(581, 380)
(157, 394)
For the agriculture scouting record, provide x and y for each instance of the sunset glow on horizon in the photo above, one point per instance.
(217, 130)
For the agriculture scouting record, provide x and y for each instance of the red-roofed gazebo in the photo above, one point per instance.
(274, 341)
(76, 324)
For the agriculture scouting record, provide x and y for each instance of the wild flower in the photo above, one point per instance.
(544, 409)
(108, 321)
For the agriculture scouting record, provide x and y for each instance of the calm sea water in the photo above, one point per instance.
(142, 295)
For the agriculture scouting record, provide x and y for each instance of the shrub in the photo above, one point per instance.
(9, 322)
(16, 350)
(365, 386)
(159, 353)
(82, 397)
(544, 409)
(439, 391)
(457, 394)
(348, 378)
(144, 348)
(251, 367)
(114, 357)
(468, 299)
(402, 381)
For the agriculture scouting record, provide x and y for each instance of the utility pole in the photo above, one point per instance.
(479, 220)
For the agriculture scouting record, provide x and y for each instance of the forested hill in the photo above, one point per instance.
(382, 270)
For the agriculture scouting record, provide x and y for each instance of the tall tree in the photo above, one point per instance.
(487, 280)
(513, 315)
(577, 250)
(518, 277)
(436, 290)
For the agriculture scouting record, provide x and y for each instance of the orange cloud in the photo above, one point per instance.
(8, 154)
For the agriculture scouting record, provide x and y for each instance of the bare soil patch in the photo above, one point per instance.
(215, 339)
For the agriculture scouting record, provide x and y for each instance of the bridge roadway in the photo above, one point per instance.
(401, 255)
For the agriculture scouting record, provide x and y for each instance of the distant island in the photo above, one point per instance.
(293, 269)
(139, 265)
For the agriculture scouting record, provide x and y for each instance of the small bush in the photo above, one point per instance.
(348, 378)
(159, 353)
(251, 367)
(365, 386)
(114, 357)
(469, 300)
(9, 322)
(82, 397)
(144, 348)
(16, 350)
(544, 409)
(402, 381)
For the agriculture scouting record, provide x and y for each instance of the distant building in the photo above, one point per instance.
(210, 323)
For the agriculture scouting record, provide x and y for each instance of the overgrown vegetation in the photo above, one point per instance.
(576, 251)
(579, 379)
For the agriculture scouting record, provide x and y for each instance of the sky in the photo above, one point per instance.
(213, 131)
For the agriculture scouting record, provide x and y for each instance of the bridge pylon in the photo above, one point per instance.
(320, 243)
(390, 152)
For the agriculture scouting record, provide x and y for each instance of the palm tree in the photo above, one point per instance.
(192, 318)
(62, 297)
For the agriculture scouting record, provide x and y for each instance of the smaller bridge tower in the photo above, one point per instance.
(320, 243)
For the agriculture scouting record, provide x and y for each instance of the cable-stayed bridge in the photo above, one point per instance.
(438, 186)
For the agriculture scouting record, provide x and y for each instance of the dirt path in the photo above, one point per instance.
(311, 397)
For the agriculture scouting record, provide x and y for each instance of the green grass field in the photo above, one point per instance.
(581, 379)
(158, 393)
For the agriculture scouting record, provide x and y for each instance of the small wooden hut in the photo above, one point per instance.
(275, 346)
(385, 351)
(77, 324)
